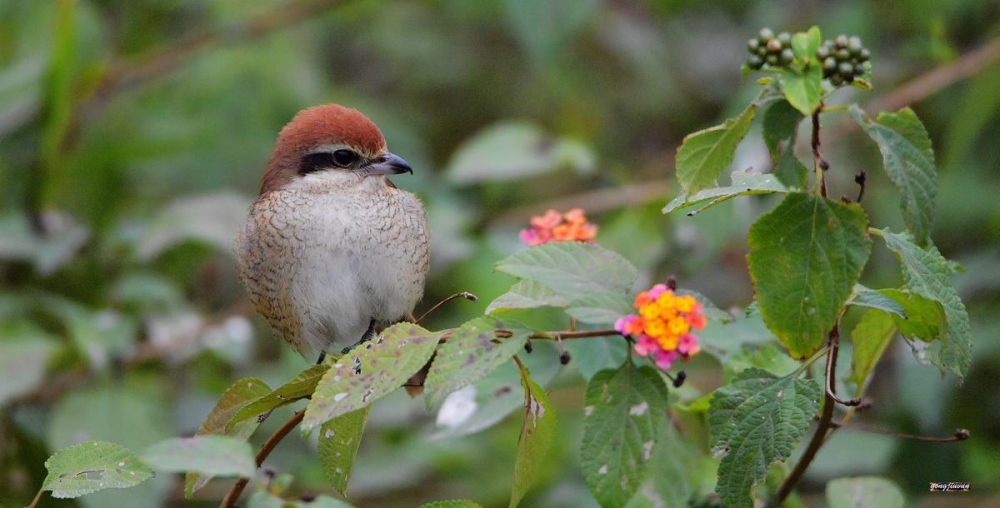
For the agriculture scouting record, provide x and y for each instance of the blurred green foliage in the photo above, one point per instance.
(132, 135)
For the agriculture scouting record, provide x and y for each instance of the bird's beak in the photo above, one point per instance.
(389, 164)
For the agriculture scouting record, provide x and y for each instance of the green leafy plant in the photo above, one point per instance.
(806, 260)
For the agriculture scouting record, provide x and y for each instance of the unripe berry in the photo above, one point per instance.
(836, 80)
(755, 62)
(840, 41)
(854, 45)
(829, 65)
(822, 52)
(843, 55)
(864, 55)
(787, 55)
(771, 59)
(774, 46)
(752, 46)
(766, 34)
(785, 39)
(846, 70)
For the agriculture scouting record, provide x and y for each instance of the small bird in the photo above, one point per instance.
(331, 250)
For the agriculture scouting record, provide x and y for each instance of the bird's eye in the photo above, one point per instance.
(344, 158)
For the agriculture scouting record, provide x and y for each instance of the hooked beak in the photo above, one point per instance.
(389, 164)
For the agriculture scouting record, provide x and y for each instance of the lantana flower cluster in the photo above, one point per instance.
(571, 226)
(664, 327)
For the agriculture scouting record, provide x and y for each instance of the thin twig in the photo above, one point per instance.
(825, 424)
(464, 294)
(958, 435)
(265, 450)
(820, 166)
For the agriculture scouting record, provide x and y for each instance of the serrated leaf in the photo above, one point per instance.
(671, 477)
(339, 439)
(600, 308)
(207, 455)
(870, 337)
(924, 318)
(526, 294)
(369, 372)
(805, 257)
(770, 357)
(300, 387)
(866, 297)
(624, 412)
(572, 269)
(537, 431)
(743, 184)
(705, 154)
(596, 354)
(909, 162)
(804, 45)
(93, 466)
(780, 122)
(511, 150)
(864, 492)
(234, 398)
(928, 274)
(754, 421)
(471, 352)
(804, 91)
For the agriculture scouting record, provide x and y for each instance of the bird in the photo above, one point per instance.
(332, 251)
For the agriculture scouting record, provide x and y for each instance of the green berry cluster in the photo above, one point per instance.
(843, 59)
(766, 48)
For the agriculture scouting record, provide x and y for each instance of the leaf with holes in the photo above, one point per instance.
(928, 274)
(754, 421)
(300, 387)
(369, 372)
(537, 431)
(238, 395)
(909, 162)
(207, 455)
(805, 257)
(339, 439)
(743, 184)
(572, 269)
(705, 154)
(624, 412)
(472, 352)
(93, 466)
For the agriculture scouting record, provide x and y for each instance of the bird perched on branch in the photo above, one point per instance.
(331, 249)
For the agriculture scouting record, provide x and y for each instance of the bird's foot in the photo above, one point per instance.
(367, 336)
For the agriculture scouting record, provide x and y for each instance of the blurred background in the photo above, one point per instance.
(133, 134)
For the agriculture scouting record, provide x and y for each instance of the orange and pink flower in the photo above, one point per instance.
(664, 326)
(571, 226)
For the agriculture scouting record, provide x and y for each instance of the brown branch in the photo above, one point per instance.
(820, 166)
(265, 450)
(825, 424)
(958, 435)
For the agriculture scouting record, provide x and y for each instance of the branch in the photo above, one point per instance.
(958, 435)
(825, 423)
(265, 450)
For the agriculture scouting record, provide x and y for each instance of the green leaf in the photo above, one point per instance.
(864, 492)
(300, 387)
(770, 357)
(472, 352)
(909, 162)
(804, 91)
(369, 372)
(780, 122)
(705, 154)
(485, 403)
(754, 421)
(865, 297)
(537, 433)
(596, 354)
(572, 269)
(93, 466)
(526, 294)
(24, 353)
(870, 337)
(922, 318)
(339, 439)
(624, 412)
(928, 274)
(804, 45)
(670, 480)
(805, 257)
(511, 150)
(600, 308)
(457, 503)
(234, 398)
(207, 455)
(743, 184)
(789, 169)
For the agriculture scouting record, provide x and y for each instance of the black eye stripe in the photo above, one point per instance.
(315, 162)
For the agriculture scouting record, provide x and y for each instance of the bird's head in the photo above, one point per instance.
(329, 138)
